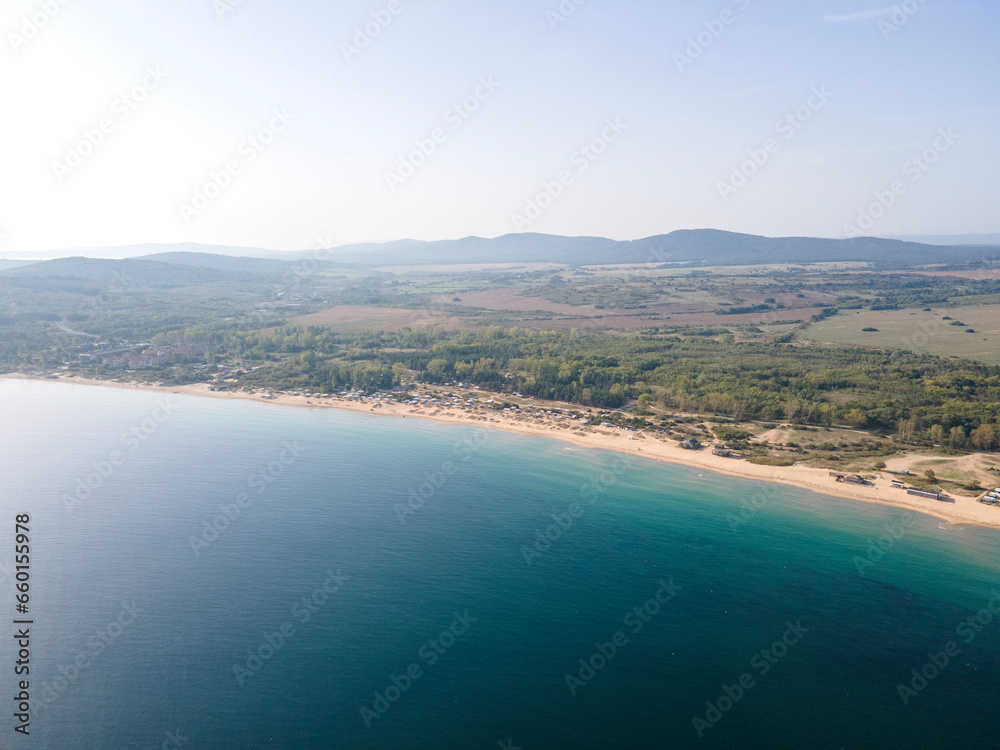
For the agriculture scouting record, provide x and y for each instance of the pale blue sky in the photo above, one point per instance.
(888, 89)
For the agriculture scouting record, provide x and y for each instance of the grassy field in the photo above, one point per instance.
(353, 319)
(918, 331)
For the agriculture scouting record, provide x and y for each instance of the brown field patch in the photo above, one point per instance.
(694, 308)
(787, 315)
(359, 319)
(691, 313)
(643, 319)
(508, 299)
(789, 299)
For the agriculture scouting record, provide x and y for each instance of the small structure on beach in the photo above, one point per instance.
(897, 484)
(691, 444)
(719, 449)
(929, 494)
(849, 478)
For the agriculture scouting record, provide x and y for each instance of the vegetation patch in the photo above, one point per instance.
(772, 460)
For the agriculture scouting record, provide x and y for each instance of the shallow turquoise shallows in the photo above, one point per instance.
(233, 574)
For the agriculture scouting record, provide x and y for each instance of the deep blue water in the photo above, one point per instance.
(140, 614)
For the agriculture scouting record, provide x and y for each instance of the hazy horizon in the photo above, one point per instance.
(247, 124)
(142, 249)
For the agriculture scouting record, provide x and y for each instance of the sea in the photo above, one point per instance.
(206, 573)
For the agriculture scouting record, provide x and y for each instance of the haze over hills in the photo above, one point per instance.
(148, 249)
(948, 239)
(133, 272)
(700, 247)
(220, 262)
(5, 264)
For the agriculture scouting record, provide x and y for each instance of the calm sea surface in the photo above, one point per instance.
(231, 574)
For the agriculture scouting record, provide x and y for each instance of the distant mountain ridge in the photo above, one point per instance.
(702, 246)
(695, 246)
(121, 252)
(219, 262)
(190, 269)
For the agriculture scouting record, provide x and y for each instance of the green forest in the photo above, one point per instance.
(240, 325)
(919, 398)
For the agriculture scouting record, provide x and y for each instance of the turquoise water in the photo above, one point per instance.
(425, 626)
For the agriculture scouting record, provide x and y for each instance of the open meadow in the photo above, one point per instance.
(969, 332)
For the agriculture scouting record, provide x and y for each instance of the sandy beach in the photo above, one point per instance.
(958, 510)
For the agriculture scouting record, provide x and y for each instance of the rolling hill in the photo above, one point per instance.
(693, 246)
(131, 273)
(702, 246)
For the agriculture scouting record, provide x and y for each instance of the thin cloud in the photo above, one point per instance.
(863, 15)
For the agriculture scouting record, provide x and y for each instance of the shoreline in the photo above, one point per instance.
(963, 511)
